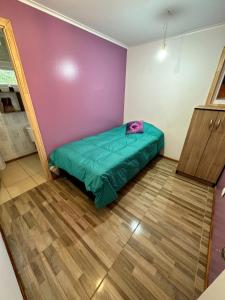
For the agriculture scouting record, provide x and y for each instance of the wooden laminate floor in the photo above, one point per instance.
(151, 244)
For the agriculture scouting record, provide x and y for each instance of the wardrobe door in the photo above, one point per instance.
(198, 135)
(213, 158)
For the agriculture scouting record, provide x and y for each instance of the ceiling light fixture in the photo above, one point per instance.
(162, 54)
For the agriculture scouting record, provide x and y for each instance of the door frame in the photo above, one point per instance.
(6, 26)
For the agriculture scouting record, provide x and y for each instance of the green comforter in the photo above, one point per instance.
(107, 161)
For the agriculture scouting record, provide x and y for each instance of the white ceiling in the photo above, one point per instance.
(134, 22)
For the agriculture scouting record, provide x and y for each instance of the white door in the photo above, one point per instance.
(9, 288)
(216, 291)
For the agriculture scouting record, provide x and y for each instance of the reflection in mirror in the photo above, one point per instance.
(15, 134)
(10, 99)
(217, 91)
(221, 94)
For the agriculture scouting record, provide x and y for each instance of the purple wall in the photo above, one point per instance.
(76, 79)
(217, 263)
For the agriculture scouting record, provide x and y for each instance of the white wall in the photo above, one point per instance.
(165, 93)
(9, 288)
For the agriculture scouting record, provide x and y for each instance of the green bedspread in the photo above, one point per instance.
(107, 161)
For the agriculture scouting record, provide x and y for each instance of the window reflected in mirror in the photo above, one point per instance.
(220, 99)
(217, 91)
(10, 98)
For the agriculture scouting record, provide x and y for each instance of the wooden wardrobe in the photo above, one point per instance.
(203, 154)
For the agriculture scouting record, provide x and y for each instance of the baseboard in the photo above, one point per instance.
(167, 157)
(14, 159)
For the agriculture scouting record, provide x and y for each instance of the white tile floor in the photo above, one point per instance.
(20, 176)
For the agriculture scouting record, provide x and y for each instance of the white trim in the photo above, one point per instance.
(185, 33)
(64, 18)
(204, 28)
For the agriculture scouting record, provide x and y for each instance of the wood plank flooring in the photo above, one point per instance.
(151, 244)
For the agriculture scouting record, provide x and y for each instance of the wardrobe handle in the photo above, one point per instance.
(211, 123)
(218, 124)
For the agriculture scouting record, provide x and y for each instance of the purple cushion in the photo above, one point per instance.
(135, 127)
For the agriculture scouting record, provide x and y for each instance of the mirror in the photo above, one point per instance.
(6, 32)
(10, 98)
(220, 98)
(217, 91)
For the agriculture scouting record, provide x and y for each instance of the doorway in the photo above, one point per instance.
(23, 161)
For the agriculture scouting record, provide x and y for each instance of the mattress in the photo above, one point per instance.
(107, 161)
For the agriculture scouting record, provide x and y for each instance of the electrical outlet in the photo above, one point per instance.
(223, 193)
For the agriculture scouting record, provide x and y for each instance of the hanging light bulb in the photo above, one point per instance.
(162, 54)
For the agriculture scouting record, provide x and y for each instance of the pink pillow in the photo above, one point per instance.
(135, 127)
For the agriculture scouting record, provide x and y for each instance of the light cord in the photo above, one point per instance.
(165, 27)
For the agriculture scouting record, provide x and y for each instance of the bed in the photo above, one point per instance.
(107, 161)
